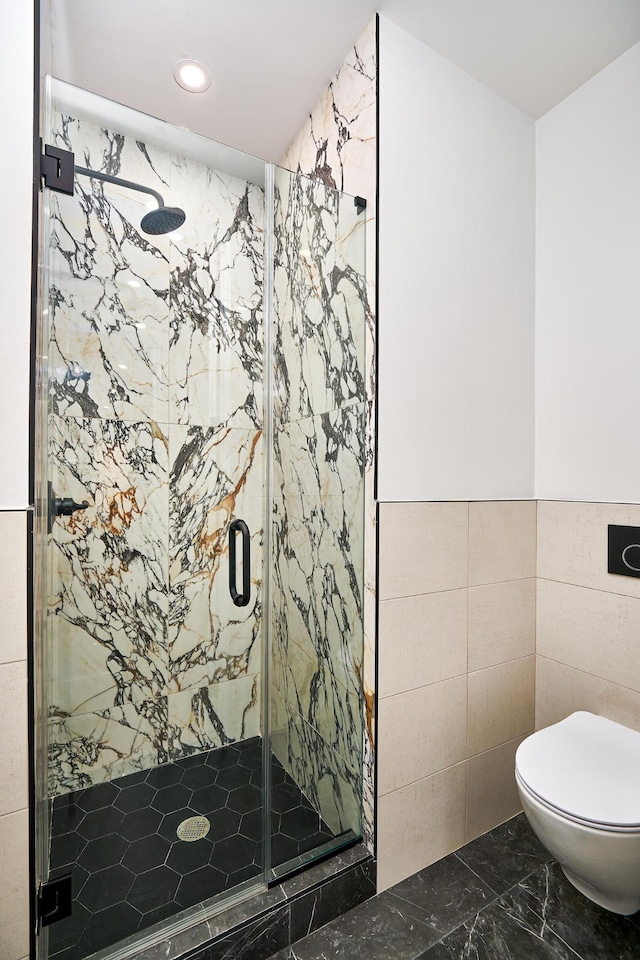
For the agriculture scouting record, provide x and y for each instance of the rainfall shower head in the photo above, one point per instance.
(162, 220)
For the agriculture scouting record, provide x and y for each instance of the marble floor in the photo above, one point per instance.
(129, 867)
(500, 897)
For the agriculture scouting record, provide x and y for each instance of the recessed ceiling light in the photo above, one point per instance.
(192, 75)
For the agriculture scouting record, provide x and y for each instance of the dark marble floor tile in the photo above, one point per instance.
(257, 941)
(320, 872)
(236, 916)
(312, 910)
(376, 930)
(506, 855)
(546, 900)
(442, 896)
(493, 934)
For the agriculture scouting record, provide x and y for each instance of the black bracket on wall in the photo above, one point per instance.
(55, 899)
(56, 169)
(360, 204)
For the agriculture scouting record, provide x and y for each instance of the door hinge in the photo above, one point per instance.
(55, 898)
(57, 168)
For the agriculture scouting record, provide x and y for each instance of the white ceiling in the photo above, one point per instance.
(271, 59)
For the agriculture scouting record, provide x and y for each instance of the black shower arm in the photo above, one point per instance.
(85, 172)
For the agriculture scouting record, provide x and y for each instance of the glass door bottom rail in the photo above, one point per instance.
(146, 846)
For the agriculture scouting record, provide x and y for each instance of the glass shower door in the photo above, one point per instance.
(317, 520)
(155, 490)
(202, 442)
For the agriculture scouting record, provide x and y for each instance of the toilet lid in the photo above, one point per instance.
(585, 766)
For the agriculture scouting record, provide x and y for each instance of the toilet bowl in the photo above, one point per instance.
(579, 783)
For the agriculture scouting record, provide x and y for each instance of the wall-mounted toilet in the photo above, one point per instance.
(579, 782)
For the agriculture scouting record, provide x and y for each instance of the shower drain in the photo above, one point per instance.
(193, 828)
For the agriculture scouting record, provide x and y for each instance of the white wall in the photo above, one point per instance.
(457, 208)
(588, 290)
(16, 165)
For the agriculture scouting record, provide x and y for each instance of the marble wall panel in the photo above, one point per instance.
(95, 747)
(332, 786)
(156, 417)
(108, 283)
(317, 596)
(213, 715)
(323, 456)
(108, 601)
(337, 146)
(319, 299)
(318, 576)
(216, 476)
(217, 268)
(155, 355)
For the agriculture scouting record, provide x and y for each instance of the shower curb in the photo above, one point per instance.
(274, 919)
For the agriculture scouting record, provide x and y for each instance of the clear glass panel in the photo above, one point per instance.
(155, 415)
(317, 569)
(190, 664)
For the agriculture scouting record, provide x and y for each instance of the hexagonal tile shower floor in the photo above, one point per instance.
(129, 868)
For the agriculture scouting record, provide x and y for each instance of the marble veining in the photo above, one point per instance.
(216, 475)
(337, 147)
(317, 577)
(216, 323)
(336, 144)
(213, 715)
(318, 479)
(156, 418)
(155, 376)
(448, 912)
(329, 783)
(108, 603)
(94, 747)
(109, 284)
(319, 297)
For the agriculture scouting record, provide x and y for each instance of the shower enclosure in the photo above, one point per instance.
(200, 471)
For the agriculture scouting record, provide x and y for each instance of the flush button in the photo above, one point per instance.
(631, 557)
(624, 551)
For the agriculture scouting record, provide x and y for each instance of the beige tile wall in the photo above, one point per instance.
(455, 676)
(588, 633)
(14, 939)
(457, 635)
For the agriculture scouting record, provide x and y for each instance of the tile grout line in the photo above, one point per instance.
(465, 587)
(595, 676)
